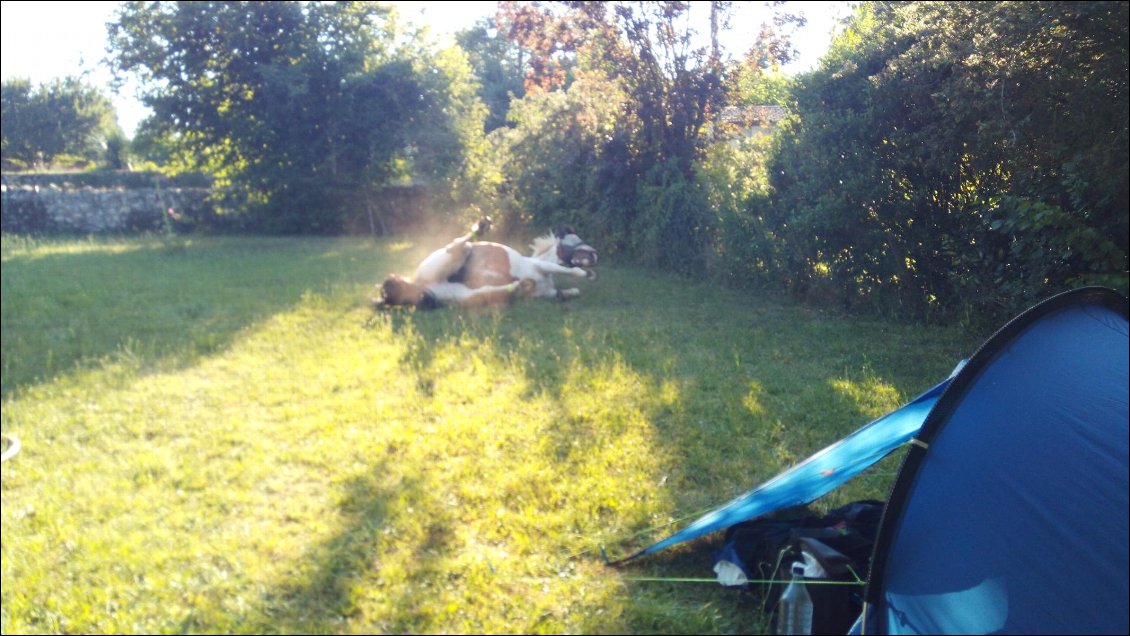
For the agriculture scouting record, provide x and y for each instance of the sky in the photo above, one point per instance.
(43, 41)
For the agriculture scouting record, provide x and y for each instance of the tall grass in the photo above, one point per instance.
(216, 440)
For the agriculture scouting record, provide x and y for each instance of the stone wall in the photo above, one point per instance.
(95, 204)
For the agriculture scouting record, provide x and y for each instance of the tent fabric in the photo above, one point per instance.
(1011, 515)
(819, 474)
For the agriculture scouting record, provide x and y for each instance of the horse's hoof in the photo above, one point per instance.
(481, 227)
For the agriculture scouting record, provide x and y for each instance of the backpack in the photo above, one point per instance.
(840, 541)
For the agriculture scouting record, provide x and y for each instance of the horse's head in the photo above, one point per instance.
(397, 290)
(572, 251)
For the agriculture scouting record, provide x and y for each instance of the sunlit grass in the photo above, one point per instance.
(214, 442)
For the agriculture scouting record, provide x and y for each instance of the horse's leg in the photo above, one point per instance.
(477, 231)
(548, 268)
(443, 263)
(458, 294)
(494, 294)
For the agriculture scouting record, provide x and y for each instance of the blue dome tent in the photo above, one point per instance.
(1010, 512)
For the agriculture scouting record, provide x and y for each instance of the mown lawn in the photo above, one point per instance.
(214, 440)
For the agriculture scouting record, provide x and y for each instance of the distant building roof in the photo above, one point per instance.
(751, 116)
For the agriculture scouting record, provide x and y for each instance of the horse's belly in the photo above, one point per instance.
(488, 264)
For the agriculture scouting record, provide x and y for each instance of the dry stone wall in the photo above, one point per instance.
(67, 204)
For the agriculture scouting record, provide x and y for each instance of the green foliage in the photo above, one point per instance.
(675, 232)
(898, 184)
(447, 135)
(619, 150)
(158, 147)
(648, 48)
(569, 158)
(1039, 243)
(565, 160)
(18, 130)
(300, 110)
(751, 86)
(65, 119)
(498, 67)
(117, 152)
(735, 182)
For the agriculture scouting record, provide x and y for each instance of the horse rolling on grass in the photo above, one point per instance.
(468, 272)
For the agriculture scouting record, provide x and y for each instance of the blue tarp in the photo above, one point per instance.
(819, 474)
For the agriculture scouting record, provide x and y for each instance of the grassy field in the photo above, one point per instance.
(215, 441)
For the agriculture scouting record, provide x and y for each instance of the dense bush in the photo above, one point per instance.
(958, 157)
(564, 160)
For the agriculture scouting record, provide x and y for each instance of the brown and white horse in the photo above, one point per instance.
(468, 272)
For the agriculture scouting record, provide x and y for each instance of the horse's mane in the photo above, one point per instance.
(543, 244)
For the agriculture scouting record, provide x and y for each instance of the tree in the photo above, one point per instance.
(300, 107)
(62, 117)
(19, 138)
(674, 81)
(566, 159)
(499, 66)
(649, 47)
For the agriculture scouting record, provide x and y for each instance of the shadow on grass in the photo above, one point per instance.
(711, 347)
(148, 303)
(325, 588)
(529, 332)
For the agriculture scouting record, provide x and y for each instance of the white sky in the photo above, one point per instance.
(48, 40)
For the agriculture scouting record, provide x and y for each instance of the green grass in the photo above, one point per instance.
(213, 440)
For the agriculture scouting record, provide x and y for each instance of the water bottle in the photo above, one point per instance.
(794, 611)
